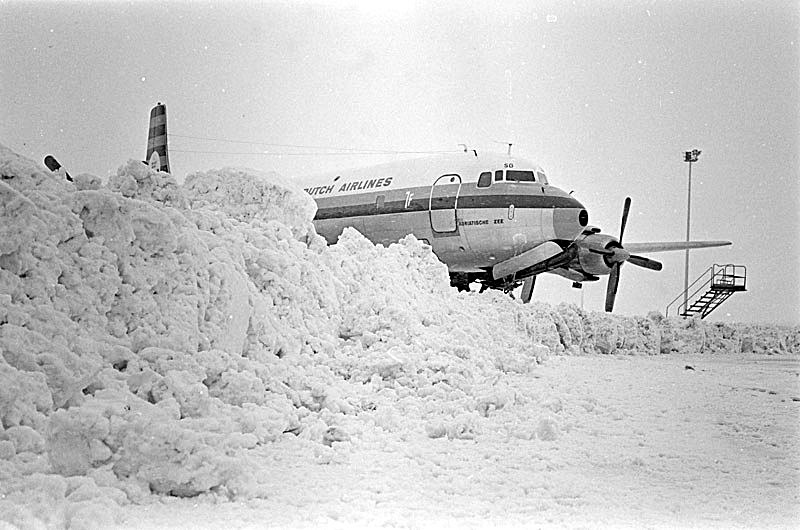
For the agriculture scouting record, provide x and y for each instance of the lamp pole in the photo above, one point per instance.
(689, 156)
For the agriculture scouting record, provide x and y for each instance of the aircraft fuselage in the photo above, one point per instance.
(475, 212)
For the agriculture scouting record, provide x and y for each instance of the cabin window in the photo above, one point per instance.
(514, 175)
(498, 175)
(379, 202)
(485, 180)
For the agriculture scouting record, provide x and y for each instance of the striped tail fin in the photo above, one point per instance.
(157, 154)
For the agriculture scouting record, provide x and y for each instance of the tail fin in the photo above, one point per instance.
(157, 154)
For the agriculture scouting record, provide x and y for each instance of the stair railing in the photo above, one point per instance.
(729, 277)
(681, 309)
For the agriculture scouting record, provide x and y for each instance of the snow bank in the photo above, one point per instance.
(155, 338)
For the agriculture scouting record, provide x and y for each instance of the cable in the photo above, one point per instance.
(265, 153)
(270, 144)
(343, 150)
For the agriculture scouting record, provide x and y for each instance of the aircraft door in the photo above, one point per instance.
(444, 203)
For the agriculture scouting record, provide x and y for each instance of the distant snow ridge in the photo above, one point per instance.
(155, 337)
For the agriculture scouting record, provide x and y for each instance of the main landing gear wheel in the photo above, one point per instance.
(460, 281)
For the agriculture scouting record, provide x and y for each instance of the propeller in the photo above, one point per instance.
(618, 257)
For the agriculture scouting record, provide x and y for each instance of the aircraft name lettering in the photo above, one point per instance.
(351, 186)
(480, 222)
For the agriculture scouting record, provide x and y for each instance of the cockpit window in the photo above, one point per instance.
(485, 180)
(514, 175)
(498, 175)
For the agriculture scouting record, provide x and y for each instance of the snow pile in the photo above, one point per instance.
(155, 338)
(247, 195)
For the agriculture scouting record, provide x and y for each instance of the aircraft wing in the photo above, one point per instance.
(534, 256)
(672, 245)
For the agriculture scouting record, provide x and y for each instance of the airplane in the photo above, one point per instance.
(492, 219)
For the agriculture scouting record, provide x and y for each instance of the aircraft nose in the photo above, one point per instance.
(568, 223)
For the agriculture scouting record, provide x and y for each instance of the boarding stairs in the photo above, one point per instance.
(709, 290)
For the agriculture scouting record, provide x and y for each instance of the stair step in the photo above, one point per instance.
(708, 302)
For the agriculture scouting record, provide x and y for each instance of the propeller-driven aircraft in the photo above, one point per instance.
(491, 219)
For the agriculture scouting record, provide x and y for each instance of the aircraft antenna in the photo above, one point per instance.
(509, 148)
(475, 151)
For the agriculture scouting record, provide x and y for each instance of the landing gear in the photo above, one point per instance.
(460, 280)
(527, 289)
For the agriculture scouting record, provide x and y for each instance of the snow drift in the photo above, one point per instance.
(153, 337)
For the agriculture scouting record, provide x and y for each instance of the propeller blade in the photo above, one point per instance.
(645, 262)
(673, 245)
(611, 288)
(625, 211)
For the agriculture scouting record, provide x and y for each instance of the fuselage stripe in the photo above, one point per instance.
(326, 211)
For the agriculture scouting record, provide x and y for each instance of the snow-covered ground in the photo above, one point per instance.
(196, 356)
(588, 442)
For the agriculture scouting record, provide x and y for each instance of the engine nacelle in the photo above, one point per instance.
(592, 262)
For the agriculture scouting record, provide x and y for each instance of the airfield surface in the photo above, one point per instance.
(668, 441)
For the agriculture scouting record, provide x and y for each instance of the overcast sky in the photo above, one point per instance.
(605, 96)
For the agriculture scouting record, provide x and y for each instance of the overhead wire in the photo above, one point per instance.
(310, 153)
(327, 149)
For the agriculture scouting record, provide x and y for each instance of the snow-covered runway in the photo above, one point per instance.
(625, 442)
